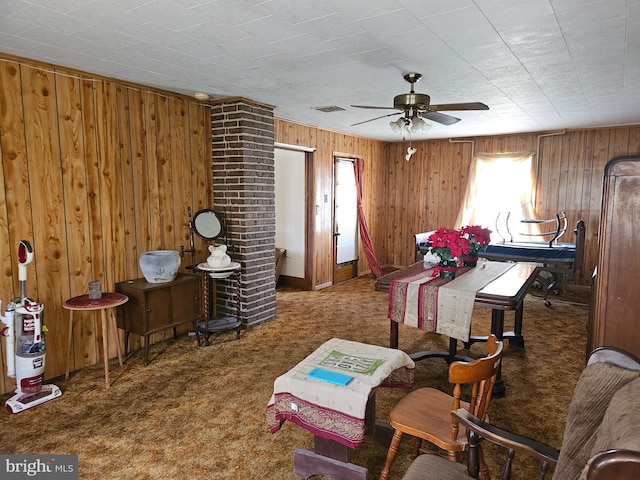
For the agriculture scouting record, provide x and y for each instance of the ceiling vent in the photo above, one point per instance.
(330, 108)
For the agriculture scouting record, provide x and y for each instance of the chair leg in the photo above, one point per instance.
(484, 470)
(416, 447)
(453, 456)
(393, 449)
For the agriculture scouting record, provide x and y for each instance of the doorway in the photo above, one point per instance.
(345, 220)
(293, 175)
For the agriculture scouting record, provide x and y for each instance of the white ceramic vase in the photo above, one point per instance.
(160, 266)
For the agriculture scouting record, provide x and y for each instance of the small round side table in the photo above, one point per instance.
(83, 302)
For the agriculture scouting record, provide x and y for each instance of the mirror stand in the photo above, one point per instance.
(210, 226)
(192, 249)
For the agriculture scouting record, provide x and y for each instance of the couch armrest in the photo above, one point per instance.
(614, 355)
(614, 464)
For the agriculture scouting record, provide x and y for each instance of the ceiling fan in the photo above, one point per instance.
(417, 105)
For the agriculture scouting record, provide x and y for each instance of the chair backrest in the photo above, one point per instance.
(421, 240)
(481, 376)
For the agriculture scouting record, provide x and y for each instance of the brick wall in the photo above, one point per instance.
(244, 188)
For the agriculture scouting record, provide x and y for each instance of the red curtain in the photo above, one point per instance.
(365, 237)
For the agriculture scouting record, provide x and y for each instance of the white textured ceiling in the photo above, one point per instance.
(538, 64)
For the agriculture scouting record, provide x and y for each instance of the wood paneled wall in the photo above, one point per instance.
(403, 198)
(94, 172)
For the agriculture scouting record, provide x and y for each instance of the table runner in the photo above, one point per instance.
(438, 305)
(332, 411)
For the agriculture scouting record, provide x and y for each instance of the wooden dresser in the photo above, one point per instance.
(156, 306)
(615, 316)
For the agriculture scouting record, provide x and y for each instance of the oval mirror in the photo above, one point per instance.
(207, 224)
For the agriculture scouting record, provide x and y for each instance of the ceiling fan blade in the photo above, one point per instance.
(377, 108)
(382, 116)
(458, 106)
(440, 118)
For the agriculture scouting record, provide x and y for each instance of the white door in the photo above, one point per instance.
(345, 221)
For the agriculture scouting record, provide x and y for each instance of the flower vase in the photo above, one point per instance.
(447, 269)
(470, 261)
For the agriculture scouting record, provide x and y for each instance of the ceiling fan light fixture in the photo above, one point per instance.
(410, 125)
(419, 126)
(401, 125)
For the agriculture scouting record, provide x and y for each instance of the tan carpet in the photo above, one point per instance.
(198, 412)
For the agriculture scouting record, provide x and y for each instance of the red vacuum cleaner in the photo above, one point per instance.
(24, 330)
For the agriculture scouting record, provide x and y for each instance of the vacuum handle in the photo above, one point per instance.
(25, 257)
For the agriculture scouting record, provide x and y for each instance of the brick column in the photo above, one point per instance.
(244, 188)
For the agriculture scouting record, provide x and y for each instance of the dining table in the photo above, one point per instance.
(505, 292)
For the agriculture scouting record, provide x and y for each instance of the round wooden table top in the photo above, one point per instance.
(83, 302)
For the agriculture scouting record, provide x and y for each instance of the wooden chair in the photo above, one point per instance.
(601, 437)
(425, 413)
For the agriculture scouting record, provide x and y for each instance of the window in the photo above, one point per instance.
(500, 185)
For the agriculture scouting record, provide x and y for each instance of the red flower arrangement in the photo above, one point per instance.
(478, 237)
(457, 247)
(449, 244)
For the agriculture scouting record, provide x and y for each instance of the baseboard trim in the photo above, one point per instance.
(292, 282)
